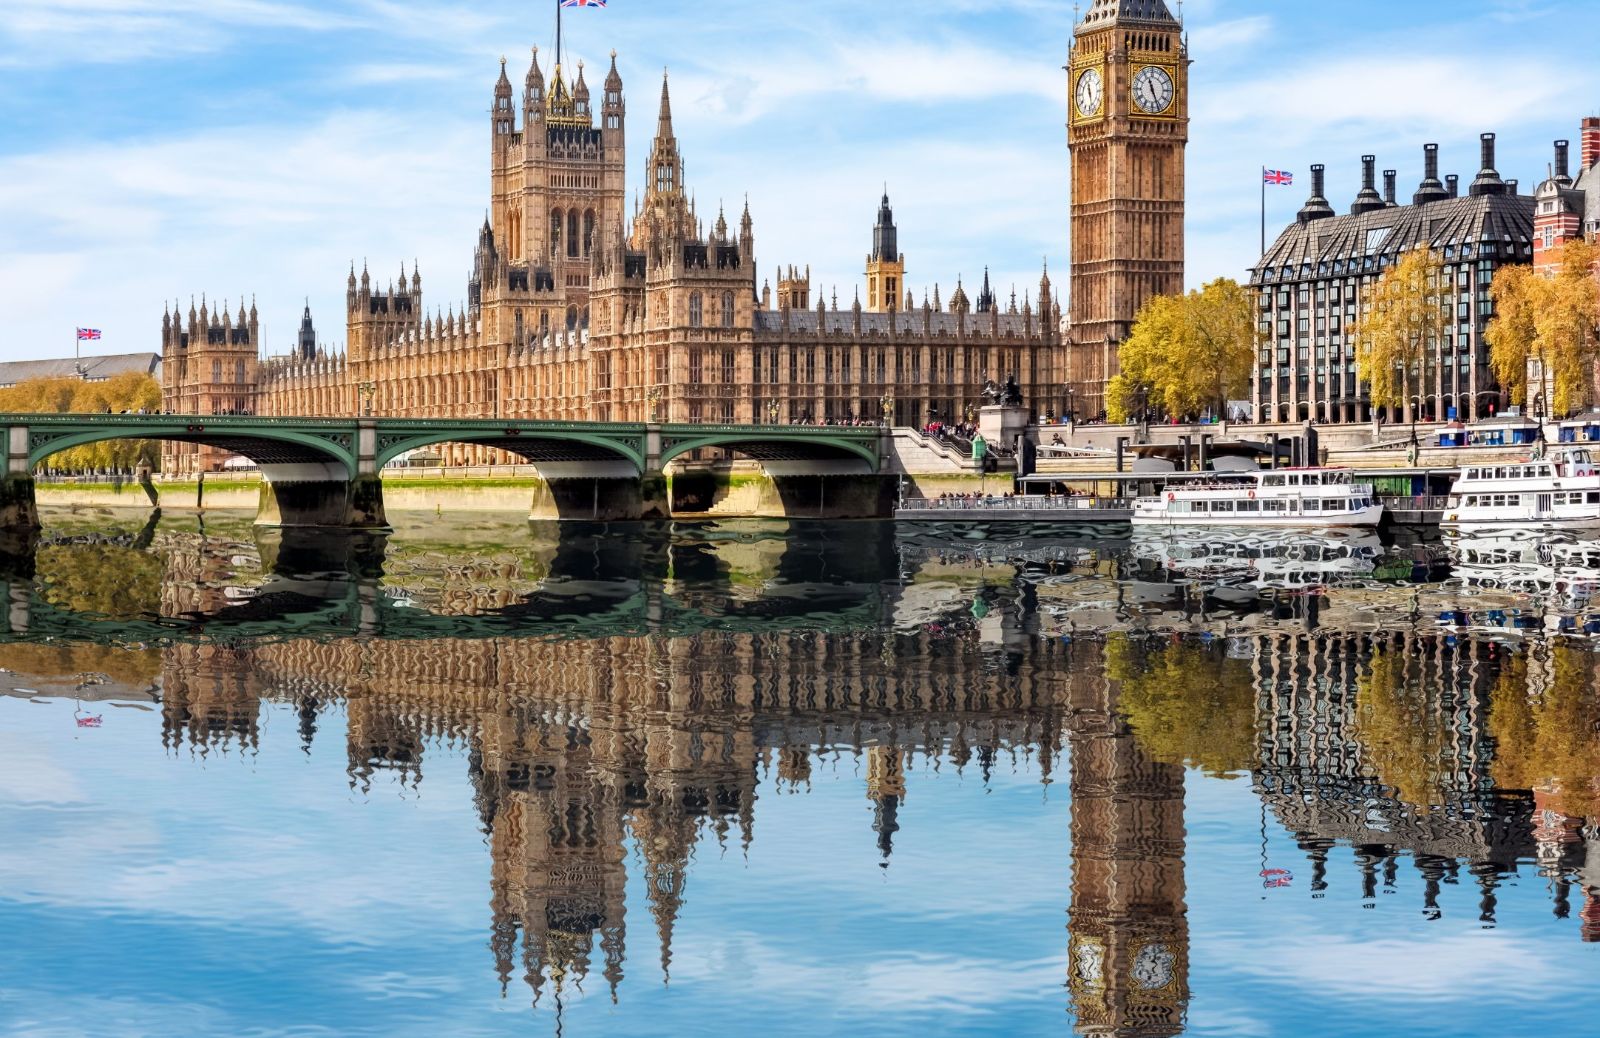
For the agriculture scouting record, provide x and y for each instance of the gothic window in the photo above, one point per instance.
(588, 232)
(238, 372)
(572, 318)
(661, 367)
(811, 366)
(880, 366)
(772, 365)
(727, 309)
(572, 233)
(555, 232)
(517, 338)
(727, 367)
(696, 315)
(586, 317)
(216, 371)
(695, 371)
(844, 365)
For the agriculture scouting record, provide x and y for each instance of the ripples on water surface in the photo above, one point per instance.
(822, 779)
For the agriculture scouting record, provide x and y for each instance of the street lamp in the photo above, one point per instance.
(1072, 416)
(654, 397)
(772, 412)
(888, 408)
(367, 390)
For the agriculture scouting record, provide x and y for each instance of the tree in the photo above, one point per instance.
(1187, 353)
(130, 391)
(1545, 719)
(1399, 338)
(1545, 328)
(1404, 722)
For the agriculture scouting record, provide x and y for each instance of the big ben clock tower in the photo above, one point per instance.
(1127, 129)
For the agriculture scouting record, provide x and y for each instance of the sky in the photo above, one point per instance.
(155, 150)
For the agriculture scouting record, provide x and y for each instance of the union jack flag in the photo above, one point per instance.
(88, 333)
(583, 3)
(1280, 177)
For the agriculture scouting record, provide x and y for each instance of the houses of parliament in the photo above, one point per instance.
(579, 309)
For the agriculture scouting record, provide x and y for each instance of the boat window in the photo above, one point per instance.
(1273, 506)
(1500, 473)
(1199, 506)
(1248, 506)
(1272, 481)
(1594, 497)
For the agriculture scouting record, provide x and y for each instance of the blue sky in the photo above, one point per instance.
(152, 150)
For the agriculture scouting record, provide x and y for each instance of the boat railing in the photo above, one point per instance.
(1016, 504)
(1414, 502)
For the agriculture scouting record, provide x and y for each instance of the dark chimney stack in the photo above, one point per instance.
(1511, 187)
(1488, 181)
(1316, 207)
(1368, 199)
(1389, 187)
(1452, 184)
(1430, 190)
(1563, 159)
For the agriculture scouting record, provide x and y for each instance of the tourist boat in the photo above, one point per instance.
(1307, 498)
(1562, 490)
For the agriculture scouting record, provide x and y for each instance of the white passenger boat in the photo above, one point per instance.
(1310, 498)
(1559, 491)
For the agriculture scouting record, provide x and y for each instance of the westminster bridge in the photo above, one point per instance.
(325, 472)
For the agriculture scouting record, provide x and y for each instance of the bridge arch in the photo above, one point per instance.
(265, 444)
(773, 445)
(537, 445)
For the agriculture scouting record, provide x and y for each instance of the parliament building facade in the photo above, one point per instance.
(578, 309)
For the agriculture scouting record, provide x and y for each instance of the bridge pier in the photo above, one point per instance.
(19, 508)
(603, 492)
(787, 490)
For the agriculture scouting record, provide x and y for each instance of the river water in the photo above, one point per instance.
(479, 778)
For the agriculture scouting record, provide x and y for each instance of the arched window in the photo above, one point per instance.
(696, 315)
(572, 317)
(572, 233)
(588, 232)
(727, 309)
(555, 232)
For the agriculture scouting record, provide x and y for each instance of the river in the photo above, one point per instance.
(479, 777)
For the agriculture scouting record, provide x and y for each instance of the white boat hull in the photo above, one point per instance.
(1362, 518)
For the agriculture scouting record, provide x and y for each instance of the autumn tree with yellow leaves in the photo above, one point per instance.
(1400, 335)
(1187, 353)
(130, 391)
(1186, 703)
(1544, 715)
(1548, 324)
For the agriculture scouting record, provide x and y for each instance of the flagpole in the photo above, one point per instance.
(1263, 251)
(558, 32)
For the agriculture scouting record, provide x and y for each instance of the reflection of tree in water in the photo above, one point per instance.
(1407, 725)
(1545, 719)
(1187, 703)
(101, 579)
(128, 666)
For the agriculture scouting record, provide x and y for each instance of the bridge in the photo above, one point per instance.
(325, 472)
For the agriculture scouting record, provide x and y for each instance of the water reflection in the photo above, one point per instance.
(622, 701)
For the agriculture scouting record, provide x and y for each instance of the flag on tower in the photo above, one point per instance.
(1278, 177)
(583, 3)
(88, 334)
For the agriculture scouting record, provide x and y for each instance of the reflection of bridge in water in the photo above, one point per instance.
(735, 663)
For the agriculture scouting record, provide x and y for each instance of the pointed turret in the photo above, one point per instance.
(580, 96)
(1127, 12)
(306, 344)
(664, 117)
(533, 86)
(986, 295)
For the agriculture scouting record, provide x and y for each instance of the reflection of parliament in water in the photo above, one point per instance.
(575, 747)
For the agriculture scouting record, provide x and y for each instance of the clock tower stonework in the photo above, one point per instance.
(1127, 128)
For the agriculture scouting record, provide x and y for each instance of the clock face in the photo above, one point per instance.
(1152, 90)
(1090, 92)
(1152, 967)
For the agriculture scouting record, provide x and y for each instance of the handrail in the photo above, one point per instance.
(1017, 504)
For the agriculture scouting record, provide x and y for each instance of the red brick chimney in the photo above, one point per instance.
(1591, 143)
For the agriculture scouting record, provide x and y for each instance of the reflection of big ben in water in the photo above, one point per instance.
(1129, 954)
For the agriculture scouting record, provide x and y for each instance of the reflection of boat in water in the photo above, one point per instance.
(1310, 498)
(1263, 558)
(1552, 493)
(1523, 561)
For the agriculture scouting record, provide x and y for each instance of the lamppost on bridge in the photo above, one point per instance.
(772, 412)
(888, 408)
(1072, 414)
(654, 399)
(367, 391)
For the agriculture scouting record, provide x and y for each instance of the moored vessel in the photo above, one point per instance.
(1542, 493)
(1305, 498)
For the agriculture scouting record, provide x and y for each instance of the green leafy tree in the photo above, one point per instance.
(1402, 327)
(130, 391)
(1187, 353)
